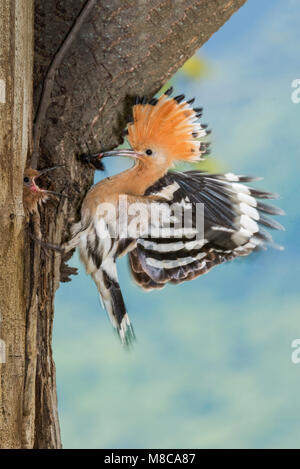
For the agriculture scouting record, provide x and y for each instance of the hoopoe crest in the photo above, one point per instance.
(161, 249)
(168, 126)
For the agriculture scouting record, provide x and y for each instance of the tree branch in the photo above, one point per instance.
(45, 99)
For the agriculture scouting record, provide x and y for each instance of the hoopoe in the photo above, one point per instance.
(33, 195)
(163, 131)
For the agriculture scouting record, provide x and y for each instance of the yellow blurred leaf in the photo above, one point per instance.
(195, 68)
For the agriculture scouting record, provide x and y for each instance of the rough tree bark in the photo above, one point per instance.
(16, 58)
(125, 48)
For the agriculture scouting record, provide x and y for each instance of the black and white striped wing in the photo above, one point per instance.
(234, 217)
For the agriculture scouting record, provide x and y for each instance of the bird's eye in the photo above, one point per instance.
(26, 179)
(148, 152)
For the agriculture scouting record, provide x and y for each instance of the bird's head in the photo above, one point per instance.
(163, 131)
(32, 193)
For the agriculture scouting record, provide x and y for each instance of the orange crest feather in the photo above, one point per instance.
(169, 124)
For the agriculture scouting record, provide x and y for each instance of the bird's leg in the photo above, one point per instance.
(36, 234)
(34, 230)
(46, 245)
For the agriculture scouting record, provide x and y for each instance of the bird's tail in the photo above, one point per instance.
(112, 300)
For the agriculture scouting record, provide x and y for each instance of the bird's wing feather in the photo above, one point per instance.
(233, 219)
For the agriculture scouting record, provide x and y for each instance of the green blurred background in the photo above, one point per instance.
(212, 366)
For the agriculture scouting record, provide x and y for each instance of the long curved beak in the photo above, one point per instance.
(121, 152)
(46, 170)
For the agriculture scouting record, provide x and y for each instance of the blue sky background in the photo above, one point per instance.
(212, 366)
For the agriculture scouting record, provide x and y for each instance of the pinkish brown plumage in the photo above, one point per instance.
(165, 130)
(33, 195)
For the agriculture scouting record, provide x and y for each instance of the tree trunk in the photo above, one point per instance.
(16, 26)
(124, 48)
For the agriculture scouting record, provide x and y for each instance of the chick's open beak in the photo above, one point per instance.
(44, 171)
